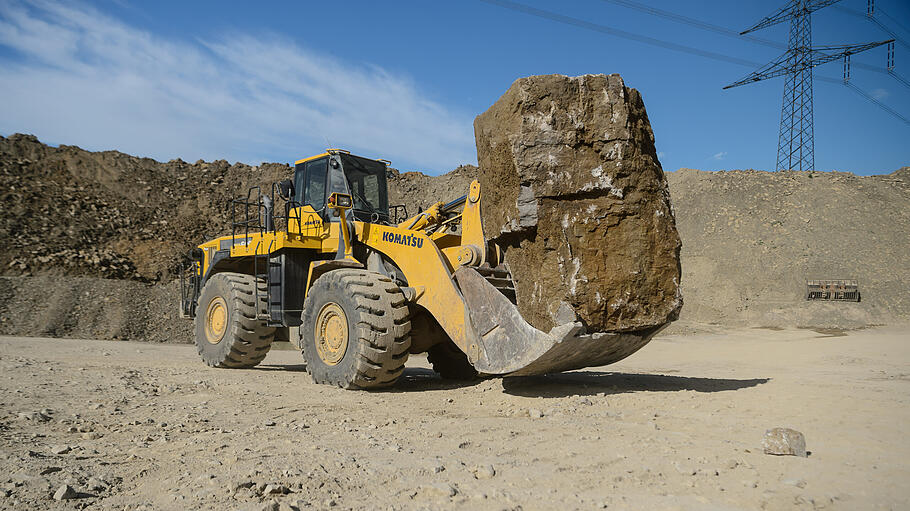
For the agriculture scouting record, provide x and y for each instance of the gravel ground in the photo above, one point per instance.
(679, 425)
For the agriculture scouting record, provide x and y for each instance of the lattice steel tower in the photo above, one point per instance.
(796, 141)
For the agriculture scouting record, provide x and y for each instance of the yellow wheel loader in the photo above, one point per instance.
(324, 261)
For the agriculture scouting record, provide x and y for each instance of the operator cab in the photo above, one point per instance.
(338, 171)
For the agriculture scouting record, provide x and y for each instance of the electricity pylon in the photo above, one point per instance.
(796, 141)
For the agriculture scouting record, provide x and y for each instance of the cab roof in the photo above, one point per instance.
(337, 151)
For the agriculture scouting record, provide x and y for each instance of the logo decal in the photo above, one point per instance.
(400, 239)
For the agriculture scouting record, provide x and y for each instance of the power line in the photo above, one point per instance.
(785, 64)
(604, 29)
(886, 29)
(638, 6)
(870, 15)
(796, 136)
(896, 22)
(865, 95)
(899, 78)
(694, 22)
(789, 13)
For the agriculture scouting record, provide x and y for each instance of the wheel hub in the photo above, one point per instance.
(216, 320)
(331, 333)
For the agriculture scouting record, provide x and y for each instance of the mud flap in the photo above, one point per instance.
(509, 345)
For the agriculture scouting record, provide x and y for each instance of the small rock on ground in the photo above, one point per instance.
(275, 489)
(438, 490)
(484, 472)
(60, 449)
(784, 442)
(65, 492)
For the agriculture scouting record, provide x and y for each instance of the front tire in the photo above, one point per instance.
(228, 333)
(355, 332)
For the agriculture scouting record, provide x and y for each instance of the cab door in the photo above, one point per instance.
(310, 192)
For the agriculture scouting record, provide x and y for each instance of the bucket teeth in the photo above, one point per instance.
(501, 278)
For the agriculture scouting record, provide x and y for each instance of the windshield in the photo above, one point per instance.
(367, 182)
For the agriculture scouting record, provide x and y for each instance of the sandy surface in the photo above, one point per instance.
(676, 426)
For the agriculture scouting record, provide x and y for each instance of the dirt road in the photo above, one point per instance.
(676, 426)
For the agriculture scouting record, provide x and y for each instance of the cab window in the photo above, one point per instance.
(368, 187)
(314, 183)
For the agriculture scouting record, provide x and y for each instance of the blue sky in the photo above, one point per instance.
(275, 81)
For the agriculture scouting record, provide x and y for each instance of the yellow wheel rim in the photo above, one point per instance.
(216, 320)
(331, 333)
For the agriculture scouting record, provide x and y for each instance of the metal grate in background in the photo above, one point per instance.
(832, 290)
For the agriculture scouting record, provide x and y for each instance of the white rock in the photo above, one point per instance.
(484, 472)
(799, 483)
(438, 490)
(60, 449)
(275, 489)
(65, 492)
(784, 442)
(96, 484)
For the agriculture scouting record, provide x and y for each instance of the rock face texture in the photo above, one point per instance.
(576, 197)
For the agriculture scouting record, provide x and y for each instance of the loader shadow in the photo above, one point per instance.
(294, 368)
(587, 383)
(412, 379)
(422, 379)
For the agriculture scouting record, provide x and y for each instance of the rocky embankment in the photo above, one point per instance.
(92, 239)
(751, 239)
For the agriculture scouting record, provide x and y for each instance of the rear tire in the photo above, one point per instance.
(227, 331)
(355, 332)
(450, 362)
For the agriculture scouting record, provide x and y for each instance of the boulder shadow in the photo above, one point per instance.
(587, 383)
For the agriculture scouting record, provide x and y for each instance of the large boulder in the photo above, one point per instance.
(576, 197)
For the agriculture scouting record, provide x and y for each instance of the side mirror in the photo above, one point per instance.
(286, 189)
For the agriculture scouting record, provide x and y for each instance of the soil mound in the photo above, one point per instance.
(751, 239)
(112, 215)
(91, 239)
(91, 308)
(416, 190)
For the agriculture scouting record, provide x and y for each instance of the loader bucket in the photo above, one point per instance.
(509, 345)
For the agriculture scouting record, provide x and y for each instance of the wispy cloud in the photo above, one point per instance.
(880, 93)
(79, 76)
(719, 156)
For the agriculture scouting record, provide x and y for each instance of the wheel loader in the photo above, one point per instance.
(323, 261)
